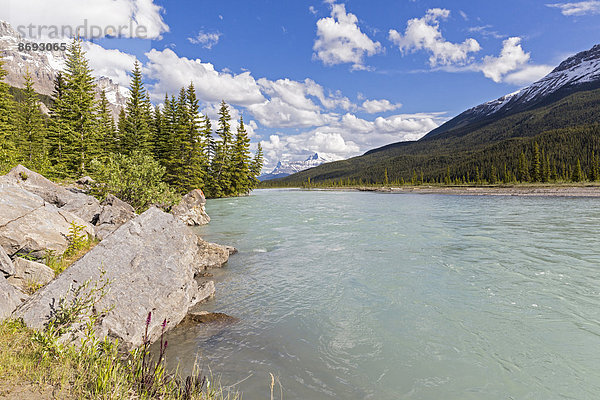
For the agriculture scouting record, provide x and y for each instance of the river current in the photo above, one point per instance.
(353, 295)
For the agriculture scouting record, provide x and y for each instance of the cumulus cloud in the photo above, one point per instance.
(170, 72)
(512, 65)
(511, 57)
(578, 8)
(377, 106)
(340, 40)
(424, 34)
(207, 40)
(130, 18)
(111, 63)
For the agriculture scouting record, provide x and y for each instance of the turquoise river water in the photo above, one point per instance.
(352, 295)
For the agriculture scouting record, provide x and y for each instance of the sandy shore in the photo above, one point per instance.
(533, 190)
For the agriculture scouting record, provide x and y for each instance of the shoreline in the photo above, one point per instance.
(523, 191)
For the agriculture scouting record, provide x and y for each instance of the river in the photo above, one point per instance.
(354, 295)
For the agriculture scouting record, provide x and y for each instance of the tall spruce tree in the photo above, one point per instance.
(196, 162)
(32, 146)
(75, 114)
(257, 164)
(241, 177)
(536, 166)
(107, 132)
(221, 162)
(136, 133)
(7, 111)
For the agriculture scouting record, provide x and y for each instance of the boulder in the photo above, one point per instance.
(30, 274)
(7, 268)
(36, 229)
(115, 212)
(10, 298)
(212, 255)
(84, 206)
(86, 180)
(206, 317)
(149, 262)
(191, 209)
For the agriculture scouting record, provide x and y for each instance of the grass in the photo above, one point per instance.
(48, 362)
(79, 244)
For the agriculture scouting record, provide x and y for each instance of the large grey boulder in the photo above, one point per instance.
(150, 264)
(30, 274)
(212, 255)
(191, 209)
(28, 225)
(7, 268)
(115, 212)
(10, 298)
(84, 206)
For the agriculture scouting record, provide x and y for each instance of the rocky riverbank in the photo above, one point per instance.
(518, 190)
(153, 261)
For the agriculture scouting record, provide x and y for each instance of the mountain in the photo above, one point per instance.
(577, 73)
(560, 112)
(43, 67)
(285, 168)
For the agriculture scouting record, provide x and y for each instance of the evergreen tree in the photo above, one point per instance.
(536, 164)
(31, 128)
(136, 127)
(493, 177)
(221, 162)
(523, 168)
(7, 110)
(577, 173)
(257, 163)
(196, 163)
(75, 114)
(241, 177)
(107, 132)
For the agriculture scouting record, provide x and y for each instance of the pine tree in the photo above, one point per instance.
(577, 173)
(221, 162)
(136, 128)
(196, 163)
(75, 114)
(56, 135)
(523, 168)
(31, 128)
(493, 177)
(7, 110)
(241, 177)
(536, 164)
(257, 163)
(107, 132)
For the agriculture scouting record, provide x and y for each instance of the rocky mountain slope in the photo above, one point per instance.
(576, 73)
(43, 67)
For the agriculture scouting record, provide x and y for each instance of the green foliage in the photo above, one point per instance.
(135, 129)
(135, 179)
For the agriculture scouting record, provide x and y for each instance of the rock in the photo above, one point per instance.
(10, 298)
(35, 230)
(7, 267)
(84, 206)
(212, 255)
(115, 213)
(205, 317)
(30, 273)
(150, 264)
(29, 225)
(86, 180)
(191, 209)
(206, 290)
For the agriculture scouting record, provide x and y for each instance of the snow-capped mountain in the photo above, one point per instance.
(43, 67)
(285, 168)
(579, 72)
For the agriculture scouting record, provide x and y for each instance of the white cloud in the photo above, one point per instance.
(111, 63)
(511, 57)
(312, 10)
(207, 40)
(578, 8)
(340, 40)
(528, 74)
(171, 72)
(512, 65)
(377, 106)
(424, 34)
(132, 18)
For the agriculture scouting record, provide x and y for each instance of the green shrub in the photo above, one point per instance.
(135, 179)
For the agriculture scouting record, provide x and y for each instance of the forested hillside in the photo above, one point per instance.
(149, 156)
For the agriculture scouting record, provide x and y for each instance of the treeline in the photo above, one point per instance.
(160, 151)
(557, 156)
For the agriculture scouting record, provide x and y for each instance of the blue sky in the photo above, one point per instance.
(337, 77)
